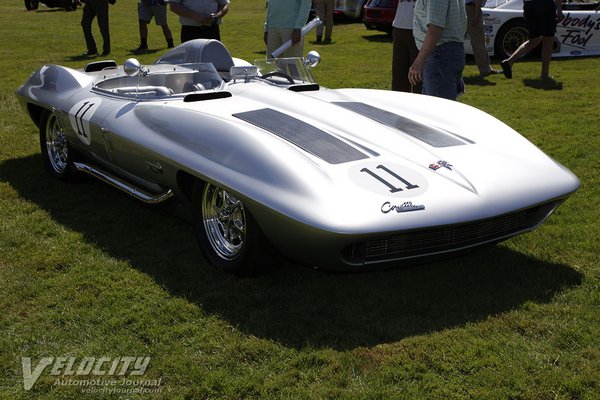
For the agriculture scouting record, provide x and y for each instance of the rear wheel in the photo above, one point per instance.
(510, 37)
(56, 152)
(227, 233)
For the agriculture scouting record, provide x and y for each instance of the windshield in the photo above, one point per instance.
(294, 67)
(494, 3)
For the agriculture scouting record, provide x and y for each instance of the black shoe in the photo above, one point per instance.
(506, 69)
(91, 53)
(142, 47)
(319, 38)
(105, 53)
(170, 44)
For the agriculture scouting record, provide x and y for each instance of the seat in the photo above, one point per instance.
(193, 87)
(143, 91)
(200, 51)
(100, 65)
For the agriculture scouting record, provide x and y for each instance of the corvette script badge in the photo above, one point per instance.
(404, 207)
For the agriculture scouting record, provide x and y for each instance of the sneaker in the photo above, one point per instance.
(506, 69)
(490, 72)
(91, 53)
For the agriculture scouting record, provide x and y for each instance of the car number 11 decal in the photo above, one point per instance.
(389, 179)
(80, 115)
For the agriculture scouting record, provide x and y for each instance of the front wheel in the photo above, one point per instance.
(70, 5)
(227, 233)
(31, 5)
(56, 152)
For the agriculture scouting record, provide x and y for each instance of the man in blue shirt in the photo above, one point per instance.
(439, 29)
(285, 19)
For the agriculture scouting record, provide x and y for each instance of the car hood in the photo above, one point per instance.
(390, 160)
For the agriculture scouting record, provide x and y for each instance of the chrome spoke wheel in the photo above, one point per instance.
(224, 220)
(56, 145)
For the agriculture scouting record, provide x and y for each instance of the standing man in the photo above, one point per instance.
(477, 36)
(200, 19)
(439, 28)
(285, 19)
(157, 9)
(404, 50)
(541, 17)
(91, 10)
(324, 10)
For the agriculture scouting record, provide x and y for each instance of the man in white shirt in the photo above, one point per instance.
(200, 19)
(404, 50)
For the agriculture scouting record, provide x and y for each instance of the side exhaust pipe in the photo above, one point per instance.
(120, 184)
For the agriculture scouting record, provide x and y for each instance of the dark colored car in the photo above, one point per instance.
(69, 5)
(379, 14)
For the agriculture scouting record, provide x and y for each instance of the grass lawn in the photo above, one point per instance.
(87, 272)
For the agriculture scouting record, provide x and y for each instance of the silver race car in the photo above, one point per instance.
(272, 163)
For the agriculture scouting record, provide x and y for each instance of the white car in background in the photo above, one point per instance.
(505, 29)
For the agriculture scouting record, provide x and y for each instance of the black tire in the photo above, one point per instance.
(56, 151)
(510, 36)
(227, 233)
(31, 5)
(70, 5)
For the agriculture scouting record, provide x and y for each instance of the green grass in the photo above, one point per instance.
(88, 272)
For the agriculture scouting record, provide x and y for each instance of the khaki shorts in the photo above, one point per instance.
(145, 13)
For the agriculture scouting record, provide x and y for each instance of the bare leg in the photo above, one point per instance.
(167, 32)
(523, 49)
(547, 43)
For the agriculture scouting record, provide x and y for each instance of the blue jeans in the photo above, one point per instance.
(442, 75)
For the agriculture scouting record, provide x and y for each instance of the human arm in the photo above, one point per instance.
(432, 37)
(182, 11)
(559, 14)
(221, 11)
(302, 16)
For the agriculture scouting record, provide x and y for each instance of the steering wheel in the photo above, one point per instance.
(279, 74)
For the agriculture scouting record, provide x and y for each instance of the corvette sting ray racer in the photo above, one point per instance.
(271, 163)
(577, 35)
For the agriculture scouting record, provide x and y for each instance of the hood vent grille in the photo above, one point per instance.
(429, 134)
(309, 138)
